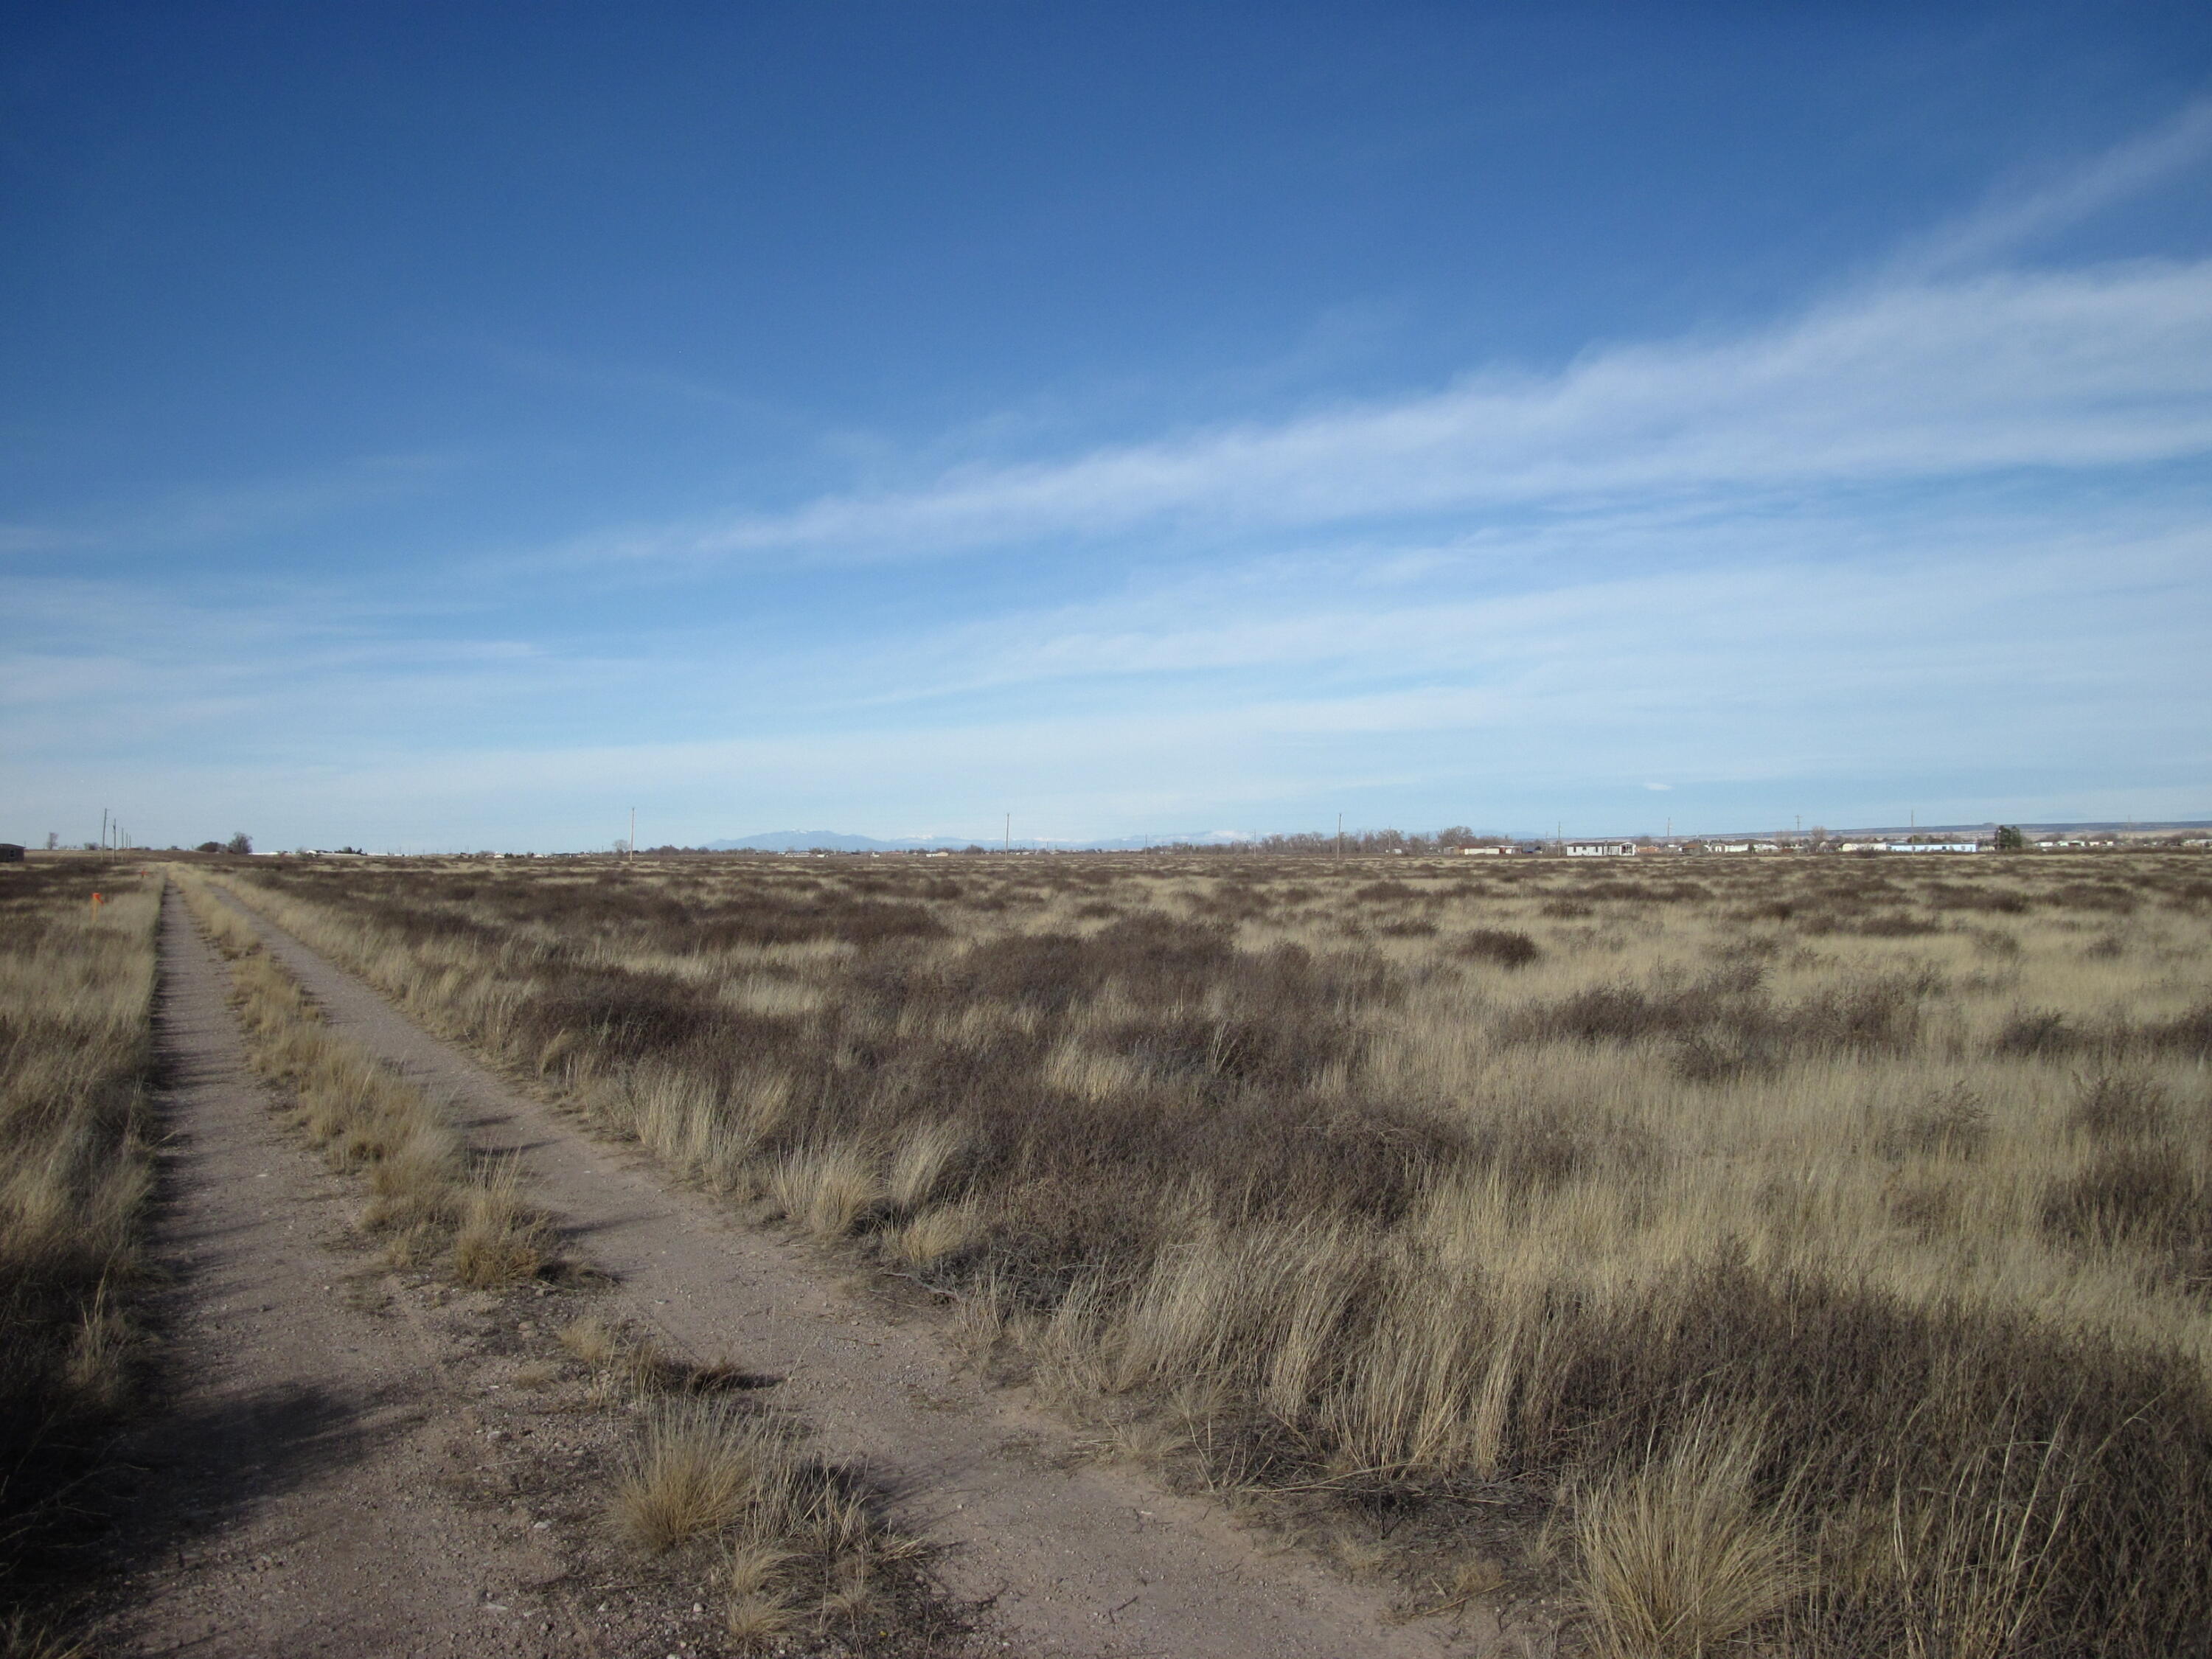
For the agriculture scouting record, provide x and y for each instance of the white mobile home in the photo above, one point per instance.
(1600, 849)
(1909, 846)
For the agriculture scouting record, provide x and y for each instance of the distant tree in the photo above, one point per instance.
(240, 843)
(209, 847)
(2010, 840)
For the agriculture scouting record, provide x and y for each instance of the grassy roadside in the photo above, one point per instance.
(76, 1066)
(431, 1201)
(1811, 1254)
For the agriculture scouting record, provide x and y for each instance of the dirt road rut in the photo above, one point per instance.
(300, 1491)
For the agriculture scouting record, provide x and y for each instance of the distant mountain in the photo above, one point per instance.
(810, 841)
(834, 841)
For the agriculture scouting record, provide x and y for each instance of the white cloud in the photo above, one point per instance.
(35, 538)
(200, 513)
(2016, 216)
(1975, 643)
(2076, 370)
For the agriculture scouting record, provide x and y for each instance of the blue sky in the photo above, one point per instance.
(449, 426)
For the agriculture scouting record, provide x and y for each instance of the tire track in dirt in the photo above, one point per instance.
(297, 1487)
(1074, 1558)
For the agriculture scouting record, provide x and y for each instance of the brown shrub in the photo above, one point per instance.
(1954, 1123)
(2119, 1106)
(1506, 947)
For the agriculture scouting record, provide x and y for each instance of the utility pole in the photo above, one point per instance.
(633, 834)
(1340, 837)
(103, 828)
(1007, 845)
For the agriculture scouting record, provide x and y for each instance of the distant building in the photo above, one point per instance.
(1909, 847)
(9, 853)
(1483, 852)
(1600, 849)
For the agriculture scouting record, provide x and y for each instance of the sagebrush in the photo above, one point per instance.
(1479, 1194)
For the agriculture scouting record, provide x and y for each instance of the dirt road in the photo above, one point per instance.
(305, 1487)
(294, 1423)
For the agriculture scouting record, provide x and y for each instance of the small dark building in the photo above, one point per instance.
(9, 853)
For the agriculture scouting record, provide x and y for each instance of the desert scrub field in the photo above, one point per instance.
(1815, 1252)
(76, 988)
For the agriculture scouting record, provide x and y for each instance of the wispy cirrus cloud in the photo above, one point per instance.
(198, 515)
(37, 538)
(2024, 211)
(2099, 367)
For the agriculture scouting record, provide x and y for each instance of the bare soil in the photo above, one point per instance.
(359, 1462)
(315, 1482)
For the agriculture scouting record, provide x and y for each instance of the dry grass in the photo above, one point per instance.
(75, 1067)
(698, 1467)
(502, 1238)
(1430, 1185)
(799, 1540)
(592, 1340)
(826, 1189)
(1677, 1558)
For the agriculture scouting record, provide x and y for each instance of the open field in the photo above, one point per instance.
(76, 1061)
(1813, 1251)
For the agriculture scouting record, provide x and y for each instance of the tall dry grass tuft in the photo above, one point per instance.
(502, 1239)
(924, 1165)
(798, 1540)
(1416, 1179)
(1678, 1559)
(76, 1066)
(698, 1467)
(827, 1190)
